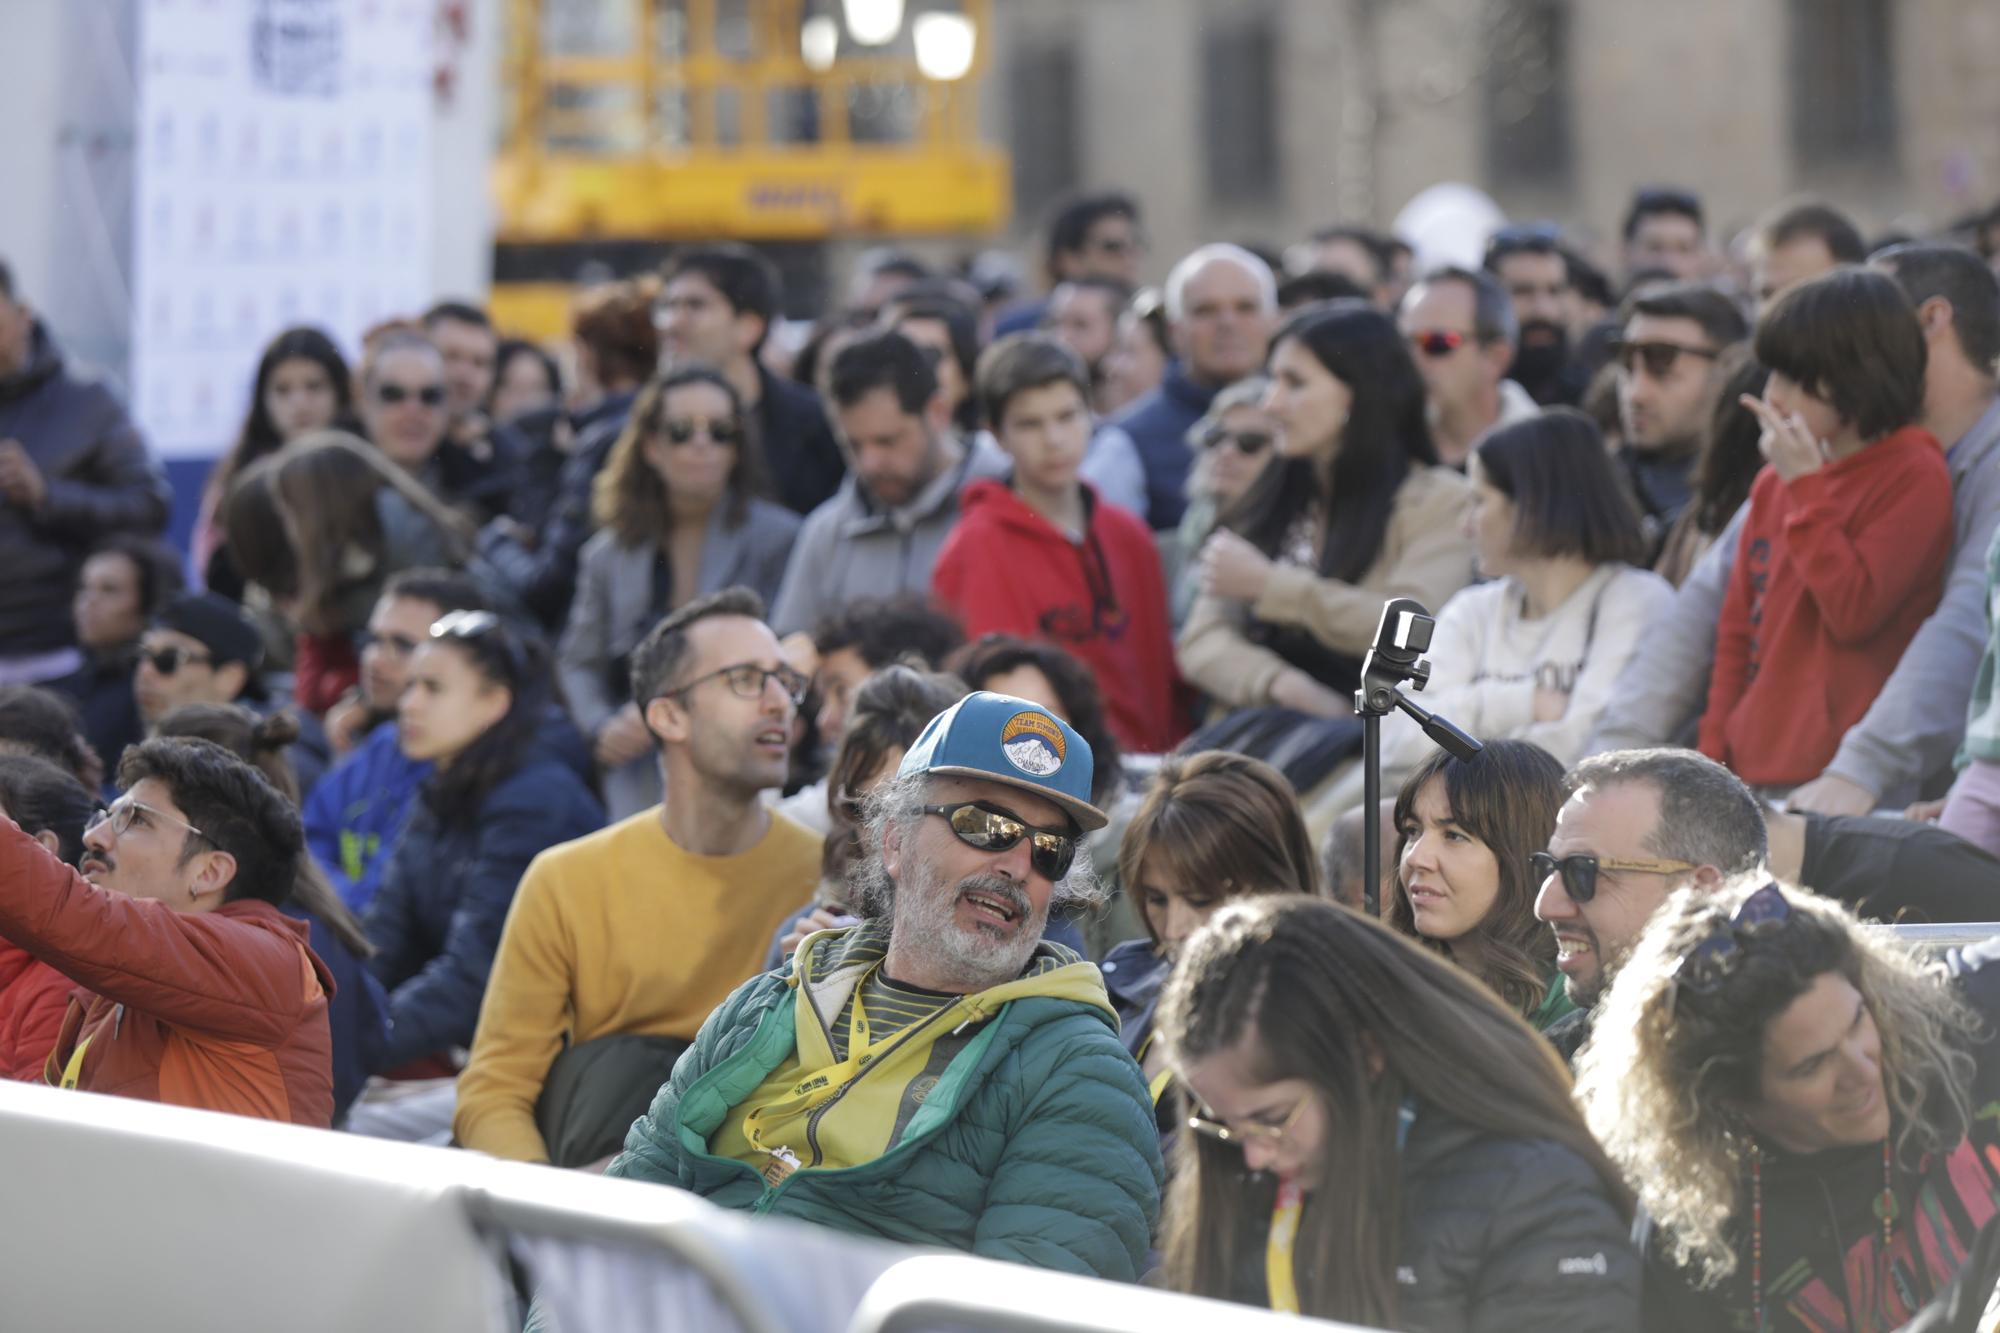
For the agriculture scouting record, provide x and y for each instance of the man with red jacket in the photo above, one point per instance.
(52, 806)
(196, 989)
(1844, 550)
(1040, 555)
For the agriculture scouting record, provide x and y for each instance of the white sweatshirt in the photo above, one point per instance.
(1487, 659)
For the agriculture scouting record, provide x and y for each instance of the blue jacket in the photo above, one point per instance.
(358, 1014)
(1158, 424)
(444, 898)
(354, 814)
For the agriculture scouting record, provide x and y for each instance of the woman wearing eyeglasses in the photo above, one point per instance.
(682, 511)
(1354, 510)
(1233, 443)
(1464, 886)
(1805, 1106)
(1377, 1140)
(497, 798)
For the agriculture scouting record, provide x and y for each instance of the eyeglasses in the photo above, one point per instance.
(1248, 443)
(400, 645)
(1579, 872)
(120, 815)
(725, 433)
(1438, 342)
(1538, 237)
(746, 680)
(166, 661)
(1703, 968)
(1657, 357)
(978, 825)
(471, 627)
(1210, 1126)
(395, 395)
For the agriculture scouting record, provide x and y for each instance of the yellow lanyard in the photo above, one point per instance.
(74, 1069)
(1160, 1082)
(819, 1087)
(1279, 1278)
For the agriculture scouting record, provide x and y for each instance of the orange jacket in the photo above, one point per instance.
(226, 1011)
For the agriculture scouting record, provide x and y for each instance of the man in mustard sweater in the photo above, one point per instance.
(619, 944)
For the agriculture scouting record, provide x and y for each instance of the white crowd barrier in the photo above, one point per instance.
(127, 1214)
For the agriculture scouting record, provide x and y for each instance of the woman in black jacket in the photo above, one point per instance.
(1378, 1140)
(475, 707)
(1805, 1106)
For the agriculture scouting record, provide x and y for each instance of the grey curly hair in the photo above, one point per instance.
(1667, 1064)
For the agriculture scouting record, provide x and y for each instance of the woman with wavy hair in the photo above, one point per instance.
(1805, 1107)
(683, 514)
(1466, 829)
(1377, 1140)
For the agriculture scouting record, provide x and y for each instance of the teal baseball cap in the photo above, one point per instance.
(998, 738)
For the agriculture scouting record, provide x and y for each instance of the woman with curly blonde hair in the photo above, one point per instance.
(1808, 1109)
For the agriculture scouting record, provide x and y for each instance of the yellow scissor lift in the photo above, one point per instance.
(632, 125)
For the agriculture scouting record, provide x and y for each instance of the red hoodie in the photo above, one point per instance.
(1006, 569)
(33, 996)
(1835, 573)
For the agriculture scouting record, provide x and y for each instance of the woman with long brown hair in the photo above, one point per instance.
(1377, 1140)
(1466, 829)
(1211, 827)
(683, 515)
(320, 526)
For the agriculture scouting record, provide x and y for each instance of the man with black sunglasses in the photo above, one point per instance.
(1669, 342)
(203, 649)
(938, 1074)
(1638, 825)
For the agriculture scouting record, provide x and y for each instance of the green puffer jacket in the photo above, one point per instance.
(1037, 1145)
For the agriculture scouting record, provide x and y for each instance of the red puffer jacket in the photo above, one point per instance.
(33, 996)
(225, 1010)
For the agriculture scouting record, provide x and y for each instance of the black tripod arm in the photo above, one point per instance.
(1440, 730)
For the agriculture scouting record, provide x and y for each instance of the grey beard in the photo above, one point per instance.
(925, 925)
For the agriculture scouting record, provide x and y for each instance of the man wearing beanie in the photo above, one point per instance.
(203, 649)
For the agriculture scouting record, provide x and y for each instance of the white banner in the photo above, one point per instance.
(283, 178)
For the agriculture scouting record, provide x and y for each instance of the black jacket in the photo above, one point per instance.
(1503, 1236)
(101, 480)
(804, 461)
(1822, 1230)
(436, 921)
(102, 690)
(542, 576)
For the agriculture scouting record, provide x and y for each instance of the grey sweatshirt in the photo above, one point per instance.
(1913, 729)
(852, 547)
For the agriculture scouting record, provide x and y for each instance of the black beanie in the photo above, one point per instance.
(218, 623)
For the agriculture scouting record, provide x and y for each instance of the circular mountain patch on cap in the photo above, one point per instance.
(1033, 744)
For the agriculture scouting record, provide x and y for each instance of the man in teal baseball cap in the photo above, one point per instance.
(938, 1074)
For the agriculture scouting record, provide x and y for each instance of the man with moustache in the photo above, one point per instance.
(938, 1074)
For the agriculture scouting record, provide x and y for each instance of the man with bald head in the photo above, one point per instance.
(1222, 302)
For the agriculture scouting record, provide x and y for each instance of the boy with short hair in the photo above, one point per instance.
(1844, 550)
(1040, 555)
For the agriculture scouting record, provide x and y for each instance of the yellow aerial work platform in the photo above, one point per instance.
(767, 121)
